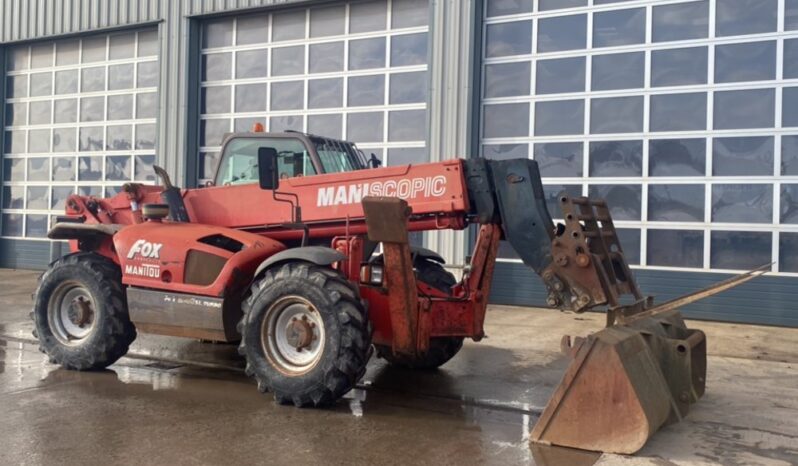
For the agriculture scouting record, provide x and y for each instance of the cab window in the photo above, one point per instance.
(336, 156)
(240, 160)
(335, 161)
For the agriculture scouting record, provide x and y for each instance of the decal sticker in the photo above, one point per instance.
(431, 186)
(144, 270)
(191, 301)
(145, 249)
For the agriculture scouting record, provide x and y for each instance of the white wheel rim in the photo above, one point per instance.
(71, 313)
(292, 335)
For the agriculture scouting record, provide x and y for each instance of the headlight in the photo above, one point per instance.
(371, 274)
(376, 275)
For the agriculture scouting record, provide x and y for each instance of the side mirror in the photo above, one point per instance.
(375, 162)
(267, 168)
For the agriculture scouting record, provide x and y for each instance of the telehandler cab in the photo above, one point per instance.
(299, 251)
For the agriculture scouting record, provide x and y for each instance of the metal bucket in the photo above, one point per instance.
(624, 383)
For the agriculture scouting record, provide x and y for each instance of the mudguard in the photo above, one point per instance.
(69, 230)
(318, 255)
(418, 251)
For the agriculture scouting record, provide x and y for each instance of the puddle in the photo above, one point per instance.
(545, 455)
(3, 345)
(158, 380)
(164, 366)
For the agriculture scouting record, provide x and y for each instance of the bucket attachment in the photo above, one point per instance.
(641, 372)
(624, 383)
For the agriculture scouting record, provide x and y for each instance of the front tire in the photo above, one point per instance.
(80, 313)
(305, 334)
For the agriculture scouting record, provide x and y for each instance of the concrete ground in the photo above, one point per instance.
(174, 401)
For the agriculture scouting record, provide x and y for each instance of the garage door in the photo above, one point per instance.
(354, 70)
(79, 118)
(679, 113)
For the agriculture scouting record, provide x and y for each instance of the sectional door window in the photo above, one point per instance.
(352, 70)
(80, 117)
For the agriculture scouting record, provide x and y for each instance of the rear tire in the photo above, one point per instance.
(80, 313)
(441, 349)
(305, 334)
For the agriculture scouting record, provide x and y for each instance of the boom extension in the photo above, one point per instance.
(581, 262)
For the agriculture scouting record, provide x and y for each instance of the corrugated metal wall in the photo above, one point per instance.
(34, 19)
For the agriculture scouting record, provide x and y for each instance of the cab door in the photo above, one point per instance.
(236, 199)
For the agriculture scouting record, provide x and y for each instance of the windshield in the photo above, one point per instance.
(337, 156)
(240, 160)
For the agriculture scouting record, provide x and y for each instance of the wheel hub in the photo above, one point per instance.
(80, 312)
(299, 333)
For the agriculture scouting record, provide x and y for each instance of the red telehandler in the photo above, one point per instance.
(299, 251)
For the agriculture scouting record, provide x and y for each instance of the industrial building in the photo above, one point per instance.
(683, 114)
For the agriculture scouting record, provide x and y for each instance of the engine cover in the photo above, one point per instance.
(190, 258)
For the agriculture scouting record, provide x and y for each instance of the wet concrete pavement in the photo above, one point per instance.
(175, 401)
